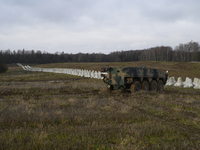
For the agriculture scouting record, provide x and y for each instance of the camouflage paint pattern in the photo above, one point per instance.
(125, 75)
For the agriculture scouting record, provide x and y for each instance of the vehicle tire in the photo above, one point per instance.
(160, 85)
(145, 85)
(153, 86)
(135, 87)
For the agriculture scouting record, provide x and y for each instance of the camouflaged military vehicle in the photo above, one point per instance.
(134, 78)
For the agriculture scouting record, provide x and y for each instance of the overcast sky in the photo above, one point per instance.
(104, 26)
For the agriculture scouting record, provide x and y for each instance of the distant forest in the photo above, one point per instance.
(3, 67)
(182, 53)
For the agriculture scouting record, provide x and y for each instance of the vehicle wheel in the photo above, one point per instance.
(153, 86)
(135, 87)
(160, 85)
(105, 80)
(109, 89)
(145, 85)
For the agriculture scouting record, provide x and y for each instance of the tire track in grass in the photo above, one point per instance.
(186, 128)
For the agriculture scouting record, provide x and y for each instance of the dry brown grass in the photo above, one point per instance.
(78, 113)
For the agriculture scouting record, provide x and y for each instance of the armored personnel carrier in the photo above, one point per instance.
(134, 78)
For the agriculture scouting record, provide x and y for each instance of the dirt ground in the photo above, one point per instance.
(57, 111)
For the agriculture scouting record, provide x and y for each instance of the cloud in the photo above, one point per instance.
(90, 26)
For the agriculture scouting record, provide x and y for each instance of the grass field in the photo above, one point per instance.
(78, 113)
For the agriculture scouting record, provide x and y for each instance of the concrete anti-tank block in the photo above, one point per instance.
(170, 82)
(188, 83)
(195, 81)
(173, 80)
(197, 85)
(179, 82)
(167, 80)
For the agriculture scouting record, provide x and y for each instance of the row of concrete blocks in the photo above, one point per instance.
(187, 84)
(76, 72)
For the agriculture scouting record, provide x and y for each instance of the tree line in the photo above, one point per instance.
(183, 52)
(3, 67)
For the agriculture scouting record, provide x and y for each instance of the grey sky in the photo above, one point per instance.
(104, 26)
